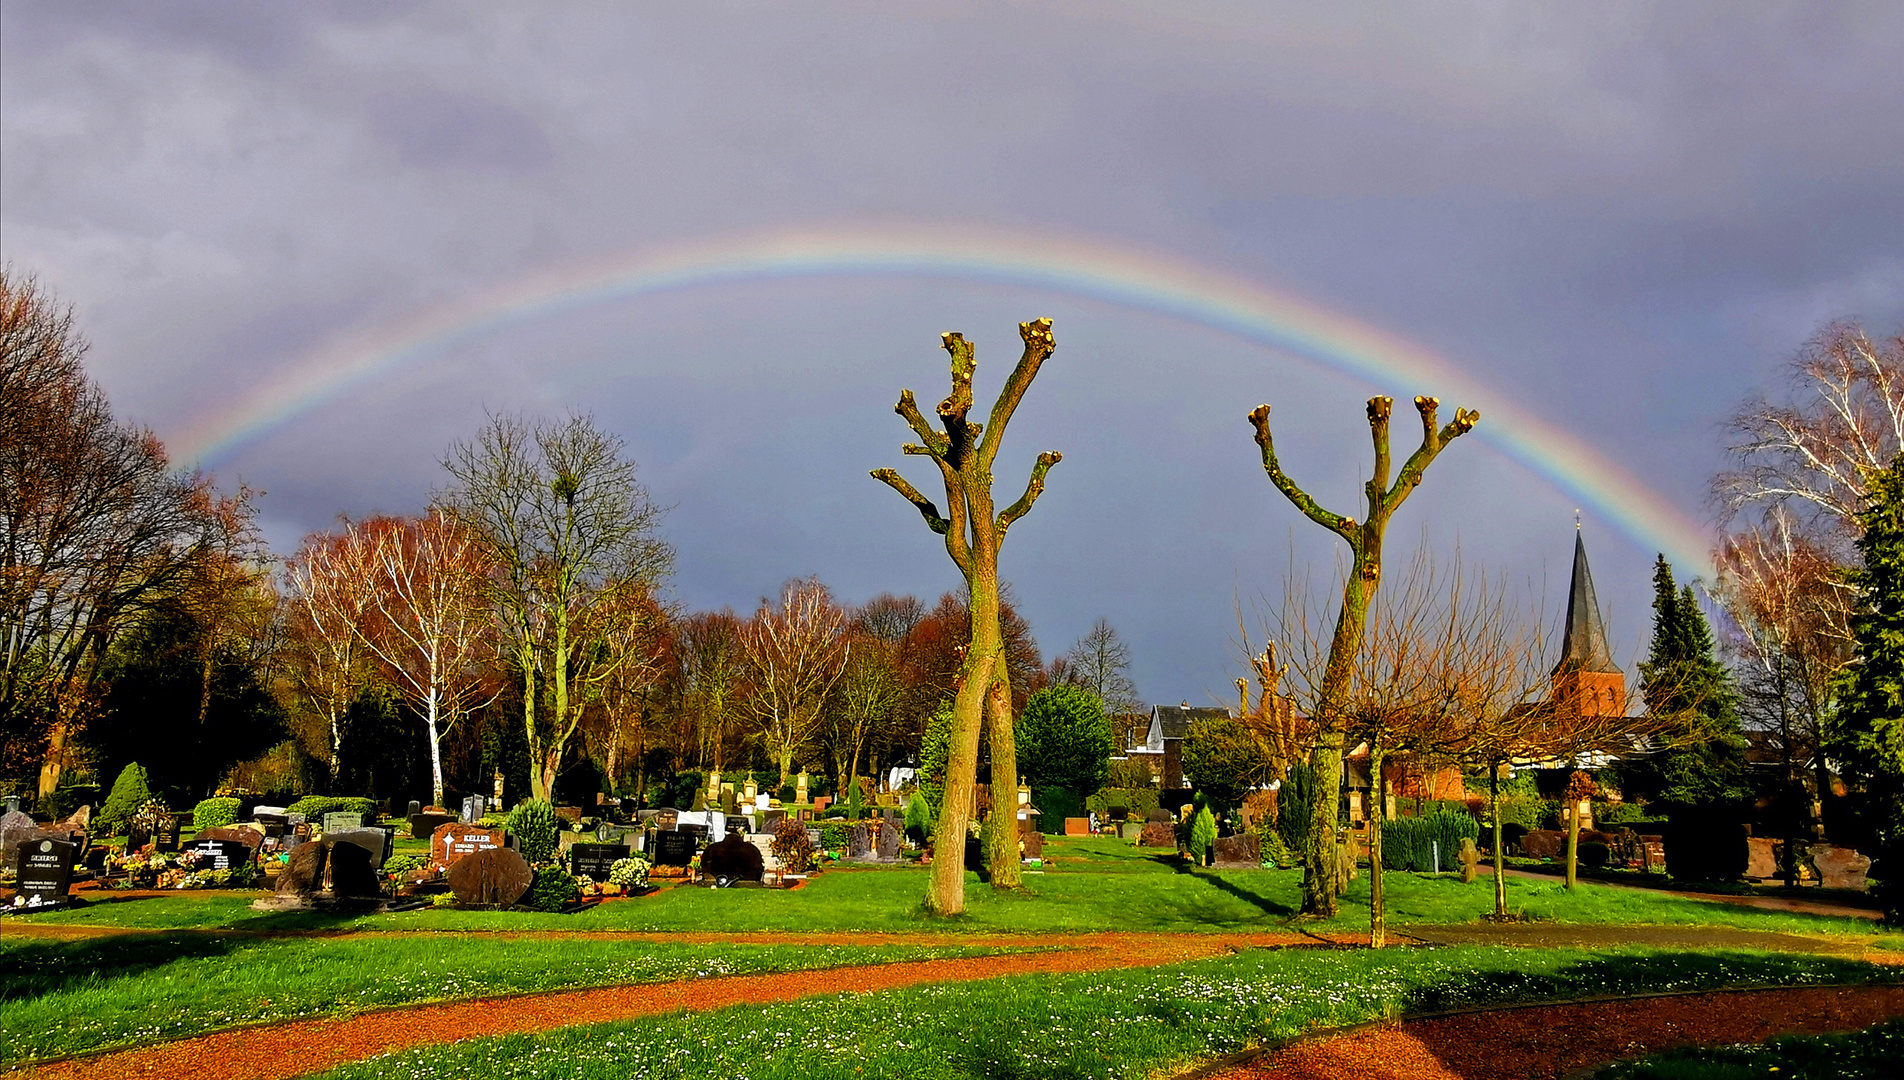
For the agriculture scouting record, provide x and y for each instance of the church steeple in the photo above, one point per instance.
(1583, 645)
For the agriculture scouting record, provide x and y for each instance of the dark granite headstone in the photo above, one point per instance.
(1158, 834)
(137, 838)
(375, 842)
(699, 832)
(1032, 843)
(415, 809)
(274, 824)
(423, 825)
(251, 838)
(594, 860)
(13, 804)
(304, 873)
(1161, 815)
(673, 848)
(351, 874)
(887, 845)
(96, 857)
(167, 838)
(45, 869)
(733, 859)
(495, 877)
(214, 854)
(1238, 852)
(860, 844)
(736, 823)
(974, 855)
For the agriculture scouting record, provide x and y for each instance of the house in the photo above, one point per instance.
(1163, 741)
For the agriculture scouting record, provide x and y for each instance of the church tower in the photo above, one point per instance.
(1586, 681)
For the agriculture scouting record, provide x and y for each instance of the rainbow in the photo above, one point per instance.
(1122, 276)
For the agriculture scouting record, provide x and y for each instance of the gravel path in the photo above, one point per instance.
(1547, 1042)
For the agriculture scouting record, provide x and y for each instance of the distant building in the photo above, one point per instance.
(1163, 741)
(1586, 681)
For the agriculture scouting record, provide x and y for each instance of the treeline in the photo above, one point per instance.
(518, 632)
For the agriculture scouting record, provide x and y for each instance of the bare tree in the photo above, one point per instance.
(865, 701)
(964, 453)
(1841, 419)
(709, 680)
(94, 526)
(566, 526)
(634, 633)
(331, 596)
(1100, 662)
(1333, 692)
(434, 629)
(796, 651)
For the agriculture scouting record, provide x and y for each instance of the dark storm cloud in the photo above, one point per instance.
(1624, 216)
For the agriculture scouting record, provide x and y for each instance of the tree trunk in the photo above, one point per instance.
(946, 895)
(436, 756)
(1573, 840)
(1002, 859)
(1378, 914)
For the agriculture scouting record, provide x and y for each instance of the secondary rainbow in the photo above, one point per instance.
(1119, 275)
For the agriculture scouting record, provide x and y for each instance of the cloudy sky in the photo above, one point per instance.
(1620, 218)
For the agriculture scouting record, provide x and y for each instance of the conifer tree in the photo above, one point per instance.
(1682, 677)
(1868, 735)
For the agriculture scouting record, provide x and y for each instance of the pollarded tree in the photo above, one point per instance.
(973, 531)
(1333, 707)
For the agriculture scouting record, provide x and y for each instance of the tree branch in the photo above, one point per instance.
(1039, 345)
(1034, 488)
(927, 509)
(959, 434)
(935, 443)
(1432, 442)
(1335, 523)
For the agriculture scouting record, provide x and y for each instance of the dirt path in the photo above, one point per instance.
(1546, 1042)
(1791, 904)
(302, 1047)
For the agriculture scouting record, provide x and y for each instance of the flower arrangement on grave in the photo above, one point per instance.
(629, 874)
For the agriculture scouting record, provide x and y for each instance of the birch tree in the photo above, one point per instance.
(796, 650)
(974, 530)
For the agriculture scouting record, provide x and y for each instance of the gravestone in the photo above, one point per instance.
(888, 843)
(1840, 867)
(375, 842)
(1158, 834)
(733, 859)
(700, 833)
(272, 824)
(570, 814)
(415, 809)
(215, 854)
(666, 818)
(45, 872)
(472, 809)
(96, 857)
(496, 877)
(16, 828)
(1031, 844)
(351, 875)
(167, 837)
(1161, 815)
(673, 848)
(860, 844)
(424, 825)
(137, 838)
(303, 874)
(1470, 860)
(251, 838)
(1543, 844)
(275, 811)
(770, 821)
(800, 788)
(813, 838)
(1761, 861)
(593, 861)
(13, 804)
(451, 842)
(1237, 852)
(974, 856)
(737, 823)
(1077, 826)
(340, 820)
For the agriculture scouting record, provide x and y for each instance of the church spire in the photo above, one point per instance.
(1584, 646)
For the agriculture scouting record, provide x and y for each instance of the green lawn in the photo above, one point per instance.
(60, 998)
(1109, 1025)
(1097, 884)
(1855, 1056)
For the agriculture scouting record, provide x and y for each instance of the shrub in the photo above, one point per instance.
(1274, 853)
(1064, 741)
(853, 807)
(1594, 854)
(1295, 802)
(1425, 844)
(129, 792)
(1202, 835)
(791, 846)
(66, 801)
(835, 835)
(553, 888)
(630, 873)
(399, 865)
(214, 813)
(1056, 803)
(314, 807)
(1130, 773)
(1139, 801)
(1617, 813)
(534, 825)
(918, 820)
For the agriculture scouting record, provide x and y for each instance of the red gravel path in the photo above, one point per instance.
(1546, 1042)
(302, 1047)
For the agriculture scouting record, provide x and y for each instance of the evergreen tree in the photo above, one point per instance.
(1868, 735)
(1682, 677)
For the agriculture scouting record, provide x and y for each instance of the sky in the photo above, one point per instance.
(1614, 222)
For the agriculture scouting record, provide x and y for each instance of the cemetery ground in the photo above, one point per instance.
(1114, 962)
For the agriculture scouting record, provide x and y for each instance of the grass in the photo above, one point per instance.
(1097, 884)
(60, 998)
(1872, 1052)
(1103, 1025)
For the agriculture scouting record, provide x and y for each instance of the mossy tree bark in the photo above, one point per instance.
(1365, 545)
(973, 532)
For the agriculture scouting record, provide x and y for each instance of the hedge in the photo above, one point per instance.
(214, 813)
(314, 807)
(1529, 814)
(1411, 843)
(1139, 801)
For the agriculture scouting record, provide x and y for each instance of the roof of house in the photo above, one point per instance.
(1175, 720)
(1583, 646)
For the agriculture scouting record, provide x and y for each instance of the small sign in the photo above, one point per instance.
(673, 848)
(594, 860)
(45, 869)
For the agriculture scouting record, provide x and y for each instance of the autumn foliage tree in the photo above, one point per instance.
(974, 529)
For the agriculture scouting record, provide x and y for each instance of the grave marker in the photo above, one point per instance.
(888, 843)
(425, 824)
(167, 838)
(340, 820)
(594, 860)
(673, 848)
(451, 842)
(860, 845)
(376, 843)
(215, 854)
(45, 870)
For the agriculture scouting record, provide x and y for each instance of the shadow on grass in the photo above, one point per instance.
(1221, 883)
(35, 970)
